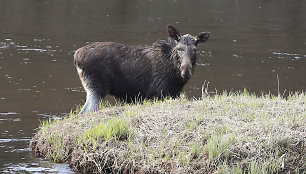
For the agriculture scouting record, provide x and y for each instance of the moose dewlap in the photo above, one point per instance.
(134, 72)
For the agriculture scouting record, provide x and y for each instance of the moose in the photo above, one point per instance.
(129, 72)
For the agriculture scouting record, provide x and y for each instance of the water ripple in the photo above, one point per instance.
(8, 140)
(288, 55)
(8, 113)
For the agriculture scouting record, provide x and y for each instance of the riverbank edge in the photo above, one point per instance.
(225, 133)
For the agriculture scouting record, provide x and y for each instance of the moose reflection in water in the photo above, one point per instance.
(130, 72)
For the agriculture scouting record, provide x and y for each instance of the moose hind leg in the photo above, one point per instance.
(95, 90)
(92, 96)
(92, 102)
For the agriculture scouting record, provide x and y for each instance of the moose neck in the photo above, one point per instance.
(175, 58)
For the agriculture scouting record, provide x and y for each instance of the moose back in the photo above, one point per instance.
(134, 72)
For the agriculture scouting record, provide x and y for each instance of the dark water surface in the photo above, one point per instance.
(251, 42)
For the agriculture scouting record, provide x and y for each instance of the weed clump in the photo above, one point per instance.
(226, 133)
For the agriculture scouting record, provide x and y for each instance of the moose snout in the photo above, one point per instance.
(186, 72)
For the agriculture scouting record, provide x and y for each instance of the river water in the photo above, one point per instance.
(252, 42)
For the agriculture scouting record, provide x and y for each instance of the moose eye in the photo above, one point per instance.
(180, 49)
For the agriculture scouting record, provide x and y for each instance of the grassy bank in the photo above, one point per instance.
(226, 133)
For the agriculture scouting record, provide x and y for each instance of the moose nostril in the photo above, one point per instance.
(186, 71)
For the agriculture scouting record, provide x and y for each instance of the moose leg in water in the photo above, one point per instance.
(133, 72)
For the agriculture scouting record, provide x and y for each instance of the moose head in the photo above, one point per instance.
(184, 51)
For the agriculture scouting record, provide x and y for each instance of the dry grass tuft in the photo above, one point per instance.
(226, 133)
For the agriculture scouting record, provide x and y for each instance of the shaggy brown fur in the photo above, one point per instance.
(134, 72)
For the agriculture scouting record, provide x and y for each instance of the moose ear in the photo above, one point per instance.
(174, 33)
(202, 37)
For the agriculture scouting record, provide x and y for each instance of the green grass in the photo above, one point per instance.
(114, 128)
(218, 144)
(225, 133)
